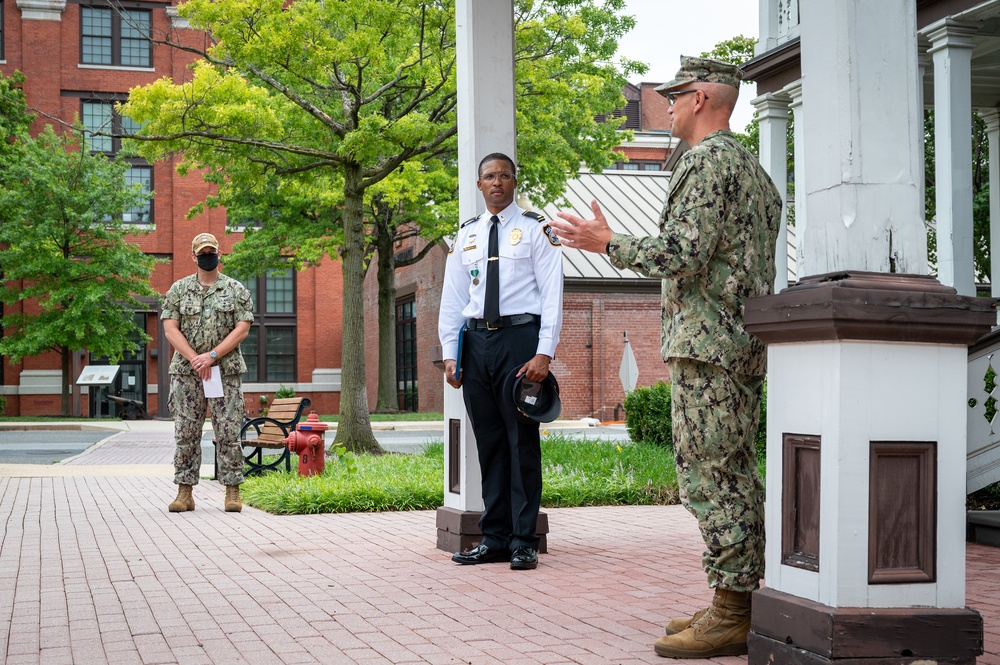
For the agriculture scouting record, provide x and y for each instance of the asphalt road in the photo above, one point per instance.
(49, 447)
(46, 447)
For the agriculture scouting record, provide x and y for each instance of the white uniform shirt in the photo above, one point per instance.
(531, 277)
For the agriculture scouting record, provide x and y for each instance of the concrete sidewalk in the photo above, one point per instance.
(93, 569)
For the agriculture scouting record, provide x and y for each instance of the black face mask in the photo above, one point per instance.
(208, 262)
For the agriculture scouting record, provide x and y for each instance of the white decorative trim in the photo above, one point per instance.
(117, 68)
(41, 10)
(177, 21)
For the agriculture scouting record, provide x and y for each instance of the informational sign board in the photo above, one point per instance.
(97, 375)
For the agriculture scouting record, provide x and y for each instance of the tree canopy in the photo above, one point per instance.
(71, 277)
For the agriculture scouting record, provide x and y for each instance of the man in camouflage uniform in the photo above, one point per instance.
(205, 317)
(715, 249)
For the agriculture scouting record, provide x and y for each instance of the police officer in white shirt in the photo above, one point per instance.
(509, 296)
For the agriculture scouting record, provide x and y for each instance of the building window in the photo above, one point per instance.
(115, 37)
(100, 116)
(269, 349)
(639, 165)
(406, 354)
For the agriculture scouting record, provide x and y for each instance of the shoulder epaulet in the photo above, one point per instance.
(535, 216)
(468, 221)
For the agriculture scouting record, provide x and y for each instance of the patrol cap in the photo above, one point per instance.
(203, 240)
(703, 70)
(532, 402)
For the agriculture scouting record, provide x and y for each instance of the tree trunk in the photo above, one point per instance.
(64, 406)
(354, 429)
(388, 397)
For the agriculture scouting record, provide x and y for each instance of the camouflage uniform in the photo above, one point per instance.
(716, 246)
(206, 317)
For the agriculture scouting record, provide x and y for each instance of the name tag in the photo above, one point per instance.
(465, 249)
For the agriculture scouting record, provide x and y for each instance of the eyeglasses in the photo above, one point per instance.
(672, 96)
(504, 176)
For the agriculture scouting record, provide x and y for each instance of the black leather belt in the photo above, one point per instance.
(505, 321)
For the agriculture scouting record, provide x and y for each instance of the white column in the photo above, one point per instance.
(772, 116)
(992, 118)
(486, 123)
(951, 48)
(864, 186)
(794, 92)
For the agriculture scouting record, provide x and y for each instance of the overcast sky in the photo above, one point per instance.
(665, 29)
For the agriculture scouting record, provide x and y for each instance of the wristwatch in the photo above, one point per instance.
(212, 354)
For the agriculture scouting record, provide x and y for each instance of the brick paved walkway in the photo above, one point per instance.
(94, 570)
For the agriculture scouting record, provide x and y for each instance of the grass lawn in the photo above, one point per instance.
(575, 473)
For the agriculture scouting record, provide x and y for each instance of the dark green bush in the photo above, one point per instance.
(647, 415)
(3, 404)
(284, 391)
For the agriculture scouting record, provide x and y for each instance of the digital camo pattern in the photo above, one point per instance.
(206, 317)
(715, 414)
(187, 406)
(716, 248)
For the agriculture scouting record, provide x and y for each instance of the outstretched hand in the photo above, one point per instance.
(590, 235)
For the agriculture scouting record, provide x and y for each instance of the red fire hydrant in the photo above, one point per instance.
(307, 442)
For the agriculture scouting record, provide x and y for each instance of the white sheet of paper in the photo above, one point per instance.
(213, 385)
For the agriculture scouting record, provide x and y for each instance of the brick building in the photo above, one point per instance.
(79, 58)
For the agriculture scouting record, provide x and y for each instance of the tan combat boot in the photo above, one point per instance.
(679, 624)
(233, 504)
(721, 631)
(184, 500)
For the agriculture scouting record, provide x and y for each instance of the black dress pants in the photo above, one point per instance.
(510, 457)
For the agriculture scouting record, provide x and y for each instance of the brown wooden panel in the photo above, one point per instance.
(867, 632)
(902, 515)
(455, 455)
(800, 501)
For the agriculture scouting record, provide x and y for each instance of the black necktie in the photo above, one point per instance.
(491, 311)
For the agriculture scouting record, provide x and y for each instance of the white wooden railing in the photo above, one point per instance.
(983, 454)
(779, 23)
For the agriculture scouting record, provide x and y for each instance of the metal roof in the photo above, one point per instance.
(631, 201)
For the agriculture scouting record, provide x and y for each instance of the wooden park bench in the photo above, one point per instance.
(268, 433)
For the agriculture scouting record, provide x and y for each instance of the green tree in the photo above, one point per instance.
(322, 118)
(68, 268)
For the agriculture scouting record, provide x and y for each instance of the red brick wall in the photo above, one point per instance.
(654, 108)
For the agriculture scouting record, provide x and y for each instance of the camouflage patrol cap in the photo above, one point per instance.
(203, 240)
(695, 70)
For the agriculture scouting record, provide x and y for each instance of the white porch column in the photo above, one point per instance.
(486, 123)
(772, 115)
(863, 201)
(951, 48)
(865, 555)
(794, 92)
(992, 118)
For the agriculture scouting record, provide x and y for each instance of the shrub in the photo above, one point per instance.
(3, 404)
(647, 415)
(284, 391)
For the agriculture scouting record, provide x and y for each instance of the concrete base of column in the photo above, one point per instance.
(458, 530)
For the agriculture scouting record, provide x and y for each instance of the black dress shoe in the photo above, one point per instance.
(481, 554)
(524, 558)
